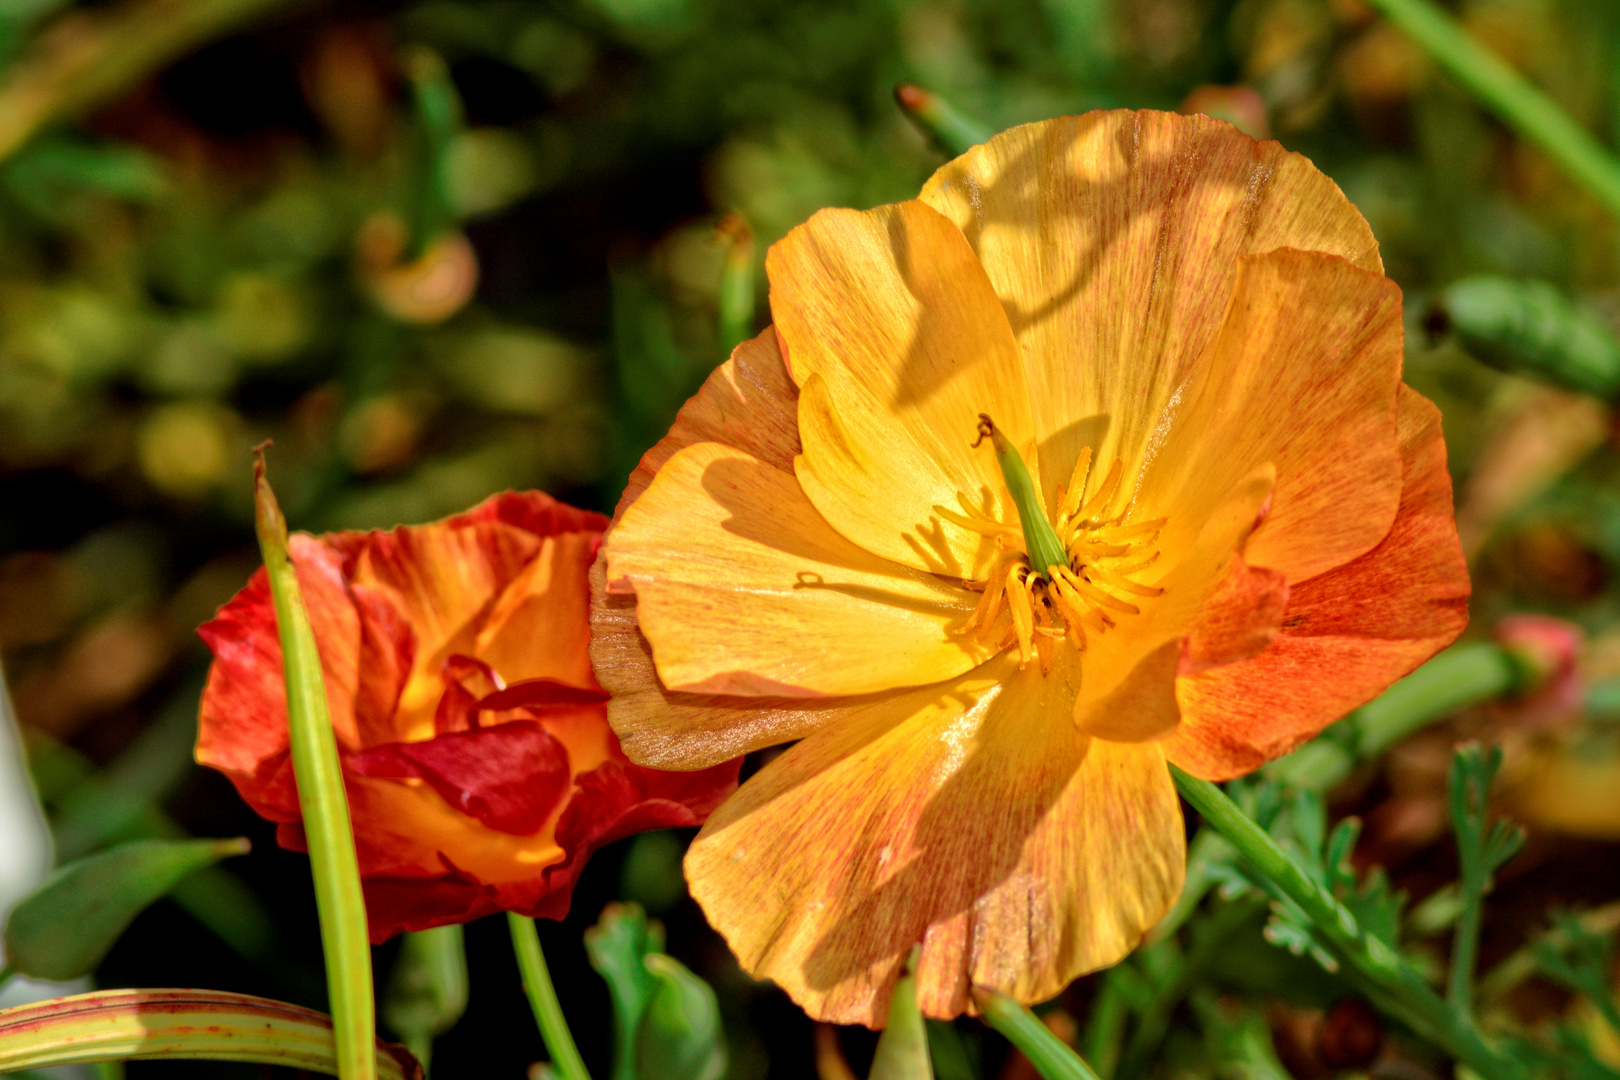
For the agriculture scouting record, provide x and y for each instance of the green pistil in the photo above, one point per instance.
(1040, 540)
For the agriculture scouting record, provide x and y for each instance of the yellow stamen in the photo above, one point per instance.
(1076, 489)
(1096, 595)
(1106, 492)
(1023, 614)
(1125, 532)
(1119, 581)
(987, 528)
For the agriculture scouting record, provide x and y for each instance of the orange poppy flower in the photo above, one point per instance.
(1189, 366)
(480, 769)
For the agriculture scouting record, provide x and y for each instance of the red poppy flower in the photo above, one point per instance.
(480, 768)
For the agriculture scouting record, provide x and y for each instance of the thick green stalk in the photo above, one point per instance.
(1370, 964)
(1053, 1058)
(543, 1000)
(342, 909)
(1512, 97)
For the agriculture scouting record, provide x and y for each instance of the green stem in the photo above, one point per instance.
(1368, 963)
(7, 973)
(948, 127)
(1512, 97)
(736, 293)
(1053, 1058)
(321, 797)
(543, 999)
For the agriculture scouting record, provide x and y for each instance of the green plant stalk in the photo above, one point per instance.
(119, 1025)
(1468, 806)
(736, 293)
(1053, 1058)
(1512, 97)
(321, 798)
(1377, 970)
(942, 123)
(543, 999)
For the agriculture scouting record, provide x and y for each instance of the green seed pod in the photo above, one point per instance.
(1530, 328)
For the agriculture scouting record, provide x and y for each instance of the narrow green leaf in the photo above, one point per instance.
(680, 1036)
(321, 797)
(119, 1025)
(427, 992)
(1510, 95)
(64, 928)
(902, 1049)
(617, 946)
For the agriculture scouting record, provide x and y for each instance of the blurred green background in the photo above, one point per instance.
(223, 221)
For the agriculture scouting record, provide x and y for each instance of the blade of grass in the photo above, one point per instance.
(118, 1025)
(321, 797)
(543, 1000)
(1510, 95)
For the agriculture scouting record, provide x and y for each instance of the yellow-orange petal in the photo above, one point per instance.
(669, 729)
(743, 588)
(1347, 634)
(1112, 240)
(1303, 373)
(972, 818)
(748, 402)
(1128, 674)
(897, 343)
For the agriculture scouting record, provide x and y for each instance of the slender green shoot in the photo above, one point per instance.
(942, 123)
(1480, 852)
(1380, 973)
(1526, 109)
(1053, 1058)
(736, 296)
(548, 1012)
(321, 797)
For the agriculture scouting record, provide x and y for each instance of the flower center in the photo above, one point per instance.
(1055, 581)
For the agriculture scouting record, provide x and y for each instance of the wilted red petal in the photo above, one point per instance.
(619, 799)
(479, 622)
(510, 776)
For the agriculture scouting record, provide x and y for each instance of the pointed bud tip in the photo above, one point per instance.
(911, 97)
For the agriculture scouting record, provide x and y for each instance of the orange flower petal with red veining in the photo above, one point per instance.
(1347, 634)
